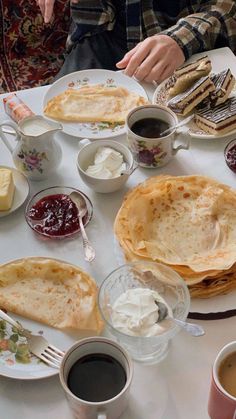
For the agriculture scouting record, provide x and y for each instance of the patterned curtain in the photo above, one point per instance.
(31, 52)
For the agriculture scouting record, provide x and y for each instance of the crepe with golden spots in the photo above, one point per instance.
(185, 222)
(52, 292)
(93, 103)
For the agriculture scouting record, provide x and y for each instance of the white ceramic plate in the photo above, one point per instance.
(12, 366)
(81, 78)
(160, 97)
(21, 190)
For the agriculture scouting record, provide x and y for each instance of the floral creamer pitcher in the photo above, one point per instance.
(36, 154)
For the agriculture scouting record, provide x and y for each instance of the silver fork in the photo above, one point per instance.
(38, 345)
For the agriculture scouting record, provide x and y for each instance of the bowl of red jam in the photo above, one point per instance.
(230, 155)
(52, 213)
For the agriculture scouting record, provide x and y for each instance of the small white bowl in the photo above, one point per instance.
(86, 157)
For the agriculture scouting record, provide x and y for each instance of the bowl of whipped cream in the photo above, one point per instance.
(105, 165)
(130, 299)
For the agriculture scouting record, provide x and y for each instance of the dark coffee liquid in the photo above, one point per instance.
(96, 378)
(149, 127)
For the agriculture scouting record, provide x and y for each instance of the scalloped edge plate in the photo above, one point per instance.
(94, 76)
(160, 97)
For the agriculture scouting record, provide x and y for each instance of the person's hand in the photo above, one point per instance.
(46, 7)
(153, 59)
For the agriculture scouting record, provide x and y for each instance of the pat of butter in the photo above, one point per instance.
(7, 189)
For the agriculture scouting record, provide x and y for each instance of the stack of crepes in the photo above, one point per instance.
(51, 292)
(187, 223)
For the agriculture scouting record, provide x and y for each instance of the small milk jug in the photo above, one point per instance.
(36, 154)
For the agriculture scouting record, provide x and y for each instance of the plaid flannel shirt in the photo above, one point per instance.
(196, 25)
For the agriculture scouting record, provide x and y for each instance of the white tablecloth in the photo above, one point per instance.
(178, 387)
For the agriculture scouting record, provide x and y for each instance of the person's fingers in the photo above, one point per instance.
(146, 66)
(136, 59)
(123, 63)
(41, 4)
(168, 71)
(156, 72)
(48, 10)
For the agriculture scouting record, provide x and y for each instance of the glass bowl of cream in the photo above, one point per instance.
(105, 165)
(128, 301)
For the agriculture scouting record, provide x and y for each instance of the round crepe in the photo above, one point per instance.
(186, 222)
(52, 292)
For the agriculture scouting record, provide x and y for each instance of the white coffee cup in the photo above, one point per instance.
(154, 152)
(108, 409)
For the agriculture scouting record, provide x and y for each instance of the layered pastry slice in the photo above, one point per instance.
(183, 103)
(224, 83)
(218, 120)
(185, 76)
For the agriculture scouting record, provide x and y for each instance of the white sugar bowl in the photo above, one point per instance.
(86, 157)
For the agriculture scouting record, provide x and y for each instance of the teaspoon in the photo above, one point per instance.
(89, 252)
(180, 124)
(193, 329)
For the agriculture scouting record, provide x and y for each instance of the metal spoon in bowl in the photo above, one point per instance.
(193, 329)
(180, 124)
(89, 252)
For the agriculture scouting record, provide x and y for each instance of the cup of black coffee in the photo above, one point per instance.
(150, 145)
(96, 375)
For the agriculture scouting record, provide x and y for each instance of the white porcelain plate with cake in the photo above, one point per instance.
(160, 97)
(76, 80)
(21, 190)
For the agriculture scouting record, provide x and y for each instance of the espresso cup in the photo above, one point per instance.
(221, 404)
(110, 408)
(158, 151)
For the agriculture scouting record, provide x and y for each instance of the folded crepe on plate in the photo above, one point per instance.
(187, 223)
(93, 103)
(51, 292)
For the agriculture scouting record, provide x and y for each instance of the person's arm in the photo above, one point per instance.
(158, 56)
(46, 8)
(88, 16)
(213, 25)
(92, 12)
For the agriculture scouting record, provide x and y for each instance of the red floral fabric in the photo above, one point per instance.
(31, 52)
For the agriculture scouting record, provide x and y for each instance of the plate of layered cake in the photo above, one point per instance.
(211, 97)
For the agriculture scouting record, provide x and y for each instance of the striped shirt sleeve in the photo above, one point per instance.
(215, 22)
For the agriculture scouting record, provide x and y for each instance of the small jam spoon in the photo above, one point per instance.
(89, 252)
(193, 329)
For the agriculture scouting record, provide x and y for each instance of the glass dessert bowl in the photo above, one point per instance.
(52, 213)
(129, 301)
